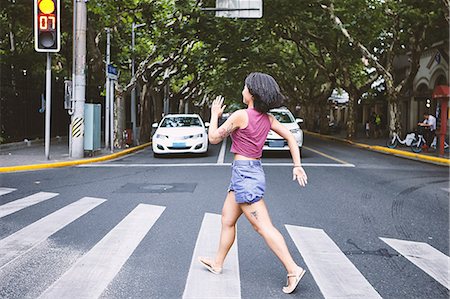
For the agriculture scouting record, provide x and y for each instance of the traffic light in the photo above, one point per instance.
(47, 34)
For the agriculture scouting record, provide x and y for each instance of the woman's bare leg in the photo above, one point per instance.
(258, 216)
(230, 214)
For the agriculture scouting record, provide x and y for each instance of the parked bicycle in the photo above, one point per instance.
(395, 140)
(418, 143)
(435, 144)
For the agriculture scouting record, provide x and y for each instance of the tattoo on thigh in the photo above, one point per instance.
(255, 214)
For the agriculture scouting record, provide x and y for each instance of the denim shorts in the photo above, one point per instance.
(247, 181)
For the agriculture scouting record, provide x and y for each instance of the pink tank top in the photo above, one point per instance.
(249, 141)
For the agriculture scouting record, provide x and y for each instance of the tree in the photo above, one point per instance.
(403, 28)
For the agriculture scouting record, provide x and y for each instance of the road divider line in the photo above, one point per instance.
(200, 282)
(92, 273)
(325, 155)
(25, 202)
(105, 165)
(25, 239)
(333, 272)
(427, 258)
(4, 191)
(223, 148)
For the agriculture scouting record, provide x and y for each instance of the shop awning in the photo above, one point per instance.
(441, 91)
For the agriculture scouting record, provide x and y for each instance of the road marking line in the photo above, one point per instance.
(333, 272)
(212, 164)
(92, 273)
(325, 155)
(25, 239)
(200, 282)
(446, 189)
(427, 258)
(25, 202)
(4, 191)
(223, 148)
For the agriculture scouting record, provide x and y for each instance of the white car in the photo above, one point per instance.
(180, 133)
(275, 142)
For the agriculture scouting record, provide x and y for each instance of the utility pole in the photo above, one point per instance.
(107, 97)
(80, 82)
(133, 91)
(48, 105)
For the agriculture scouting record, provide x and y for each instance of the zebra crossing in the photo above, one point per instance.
(89, 276)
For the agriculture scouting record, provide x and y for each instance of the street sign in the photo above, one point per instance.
(239, 8)
(112, 72)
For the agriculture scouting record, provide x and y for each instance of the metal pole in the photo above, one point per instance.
(133, 91)
(48, 98)
(107, 100)
(74, 46)
(80, 82)
(111, 106)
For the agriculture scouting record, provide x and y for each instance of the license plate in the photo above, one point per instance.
(179, 144)
(276, 143)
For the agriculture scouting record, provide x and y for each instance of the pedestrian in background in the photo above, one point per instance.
(429, 127)
(248, 129)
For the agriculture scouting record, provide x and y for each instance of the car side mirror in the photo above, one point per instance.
(207, 124)
(154, 125)
(299, 120)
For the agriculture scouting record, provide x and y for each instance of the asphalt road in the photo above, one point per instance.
(135, 230)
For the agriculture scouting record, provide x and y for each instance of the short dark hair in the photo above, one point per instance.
(265, 90)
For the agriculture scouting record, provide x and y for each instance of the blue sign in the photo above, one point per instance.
(112, 72)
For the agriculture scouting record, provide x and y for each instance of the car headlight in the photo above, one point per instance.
(160, 136)
(193, 136)
(294, 130)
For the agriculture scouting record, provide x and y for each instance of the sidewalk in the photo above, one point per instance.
(379, 145)
(24, 156)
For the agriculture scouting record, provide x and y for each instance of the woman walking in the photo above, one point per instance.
(248, 129)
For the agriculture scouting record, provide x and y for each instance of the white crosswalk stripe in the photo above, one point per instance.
(88, 277)
(25, 202)
(430, 260)
(25, 239)
(92, 273)
(333, 272)
(200, 282)
(4, 190)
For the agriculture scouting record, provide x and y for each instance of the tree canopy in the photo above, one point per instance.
(309, 47)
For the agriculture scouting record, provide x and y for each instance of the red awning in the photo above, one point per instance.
(441, 91)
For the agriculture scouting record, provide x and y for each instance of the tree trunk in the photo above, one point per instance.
(119, 120)
(351, 123)
(145, 127)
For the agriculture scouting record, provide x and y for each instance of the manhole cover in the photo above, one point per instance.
(158, 188)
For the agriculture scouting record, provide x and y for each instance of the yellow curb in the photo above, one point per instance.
(75, 162)
(382, 149)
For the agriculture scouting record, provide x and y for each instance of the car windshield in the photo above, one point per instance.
(282, 116)
(177, 122)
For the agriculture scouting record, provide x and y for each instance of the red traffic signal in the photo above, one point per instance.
(47, 34)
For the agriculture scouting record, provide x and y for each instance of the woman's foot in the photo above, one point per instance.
(209, 264)
(293, 279)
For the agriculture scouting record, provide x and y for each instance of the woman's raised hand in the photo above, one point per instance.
(216, 107)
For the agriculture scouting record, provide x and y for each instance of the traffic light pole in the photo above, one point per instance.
(77, 122)
(48, 98)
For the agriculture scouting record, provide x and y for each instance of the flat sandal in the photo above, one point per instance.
(298, 277)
